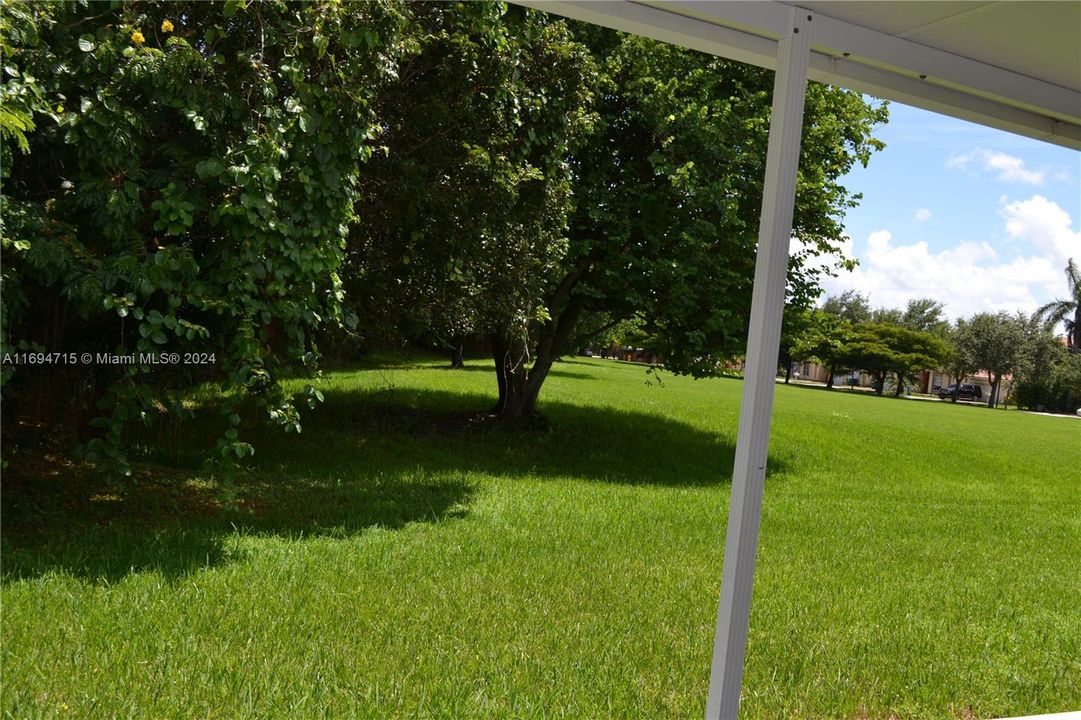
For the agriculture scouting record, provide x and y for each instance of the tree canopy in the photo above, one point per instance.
(464, 207)
(232, 181)
(1067, 310)
(643, 165)
(882, 348)
(994, 343)
(188, 187)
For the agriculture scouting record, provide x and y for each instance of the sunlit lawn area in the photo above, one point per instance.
(401, 558)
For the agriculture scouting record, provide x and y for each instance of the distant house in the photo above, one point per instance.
(814, 372)
(934, 379)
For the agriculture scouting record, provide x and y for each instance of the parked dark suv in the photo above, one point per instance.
(964, 391)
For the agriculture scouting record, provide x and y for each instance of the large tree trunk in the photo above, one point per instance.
(900, 386)
(787, 372)
(518, 381)
(829, 379)
(457, 356)
(991, 396)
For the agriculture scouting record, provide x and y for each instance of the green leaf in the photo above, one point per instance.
(209, 168)
(230, 8)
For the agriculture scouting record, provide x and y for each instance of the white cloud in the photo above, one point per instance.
(1043, 224)
(922, 215)
(1007, 168)
(971, 277)
(966, 278)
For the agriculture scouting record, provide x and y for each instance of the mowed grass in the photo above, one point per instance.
(401, 558)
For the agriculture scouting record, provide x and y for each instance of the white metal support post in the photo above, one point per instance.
(756, 406)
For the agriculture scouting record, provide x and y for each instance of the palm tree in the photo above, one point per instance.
(1058, 311)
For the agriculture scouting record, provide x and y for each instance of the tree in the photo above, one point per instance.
(466, 208)
(927, 315)
(1067, 383)
(826, 339)
(1034, 384)
(663, 177)
(795, 327)
(187, 189)
(958, 361)
(1067, 311)
(889, 316)
(604, 334)
(666, 197)
(850, 306)
(831, 330)
(993, 342)
(883, 348)
(867, 351)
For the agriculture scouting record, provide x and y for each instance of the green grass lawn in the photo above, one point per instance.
(401, 558)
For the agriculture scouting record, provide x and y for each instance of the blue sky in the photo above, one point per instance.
(976, 218)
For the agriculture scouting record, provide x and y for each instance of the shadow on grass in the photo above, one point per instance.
(490, 369)
(180, 525)
(365, 459)
(439, 432)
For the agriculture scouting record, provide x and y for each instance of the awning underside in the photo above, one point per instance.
(1015, 66)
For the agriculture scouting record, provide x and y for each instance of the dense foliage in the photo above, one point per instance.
(1048, 375)
(465, 206)
(219, 185)
(540, 186)
(882, 349)
(846, 334)
(188, 188)
(994, 342)
(667, 193)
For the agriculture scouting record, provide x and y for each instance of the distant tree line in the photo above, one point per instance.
(895, 345)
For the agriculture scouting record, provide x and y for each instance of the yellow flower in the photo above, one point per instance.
(166, 26)
(137, 38)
